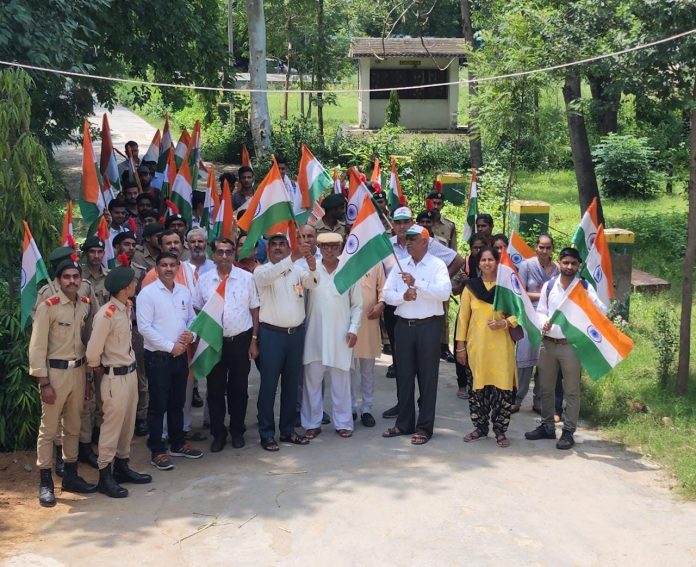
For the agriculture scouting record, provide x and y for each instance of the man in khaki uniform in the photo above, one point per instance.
(334, 218)
(147, 252)
(94, 271)
(86, 454)
(111, 356)
(56, 360)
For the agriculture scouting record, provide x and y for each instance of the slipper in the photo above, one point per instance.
(502, 441)
(419, 439)
(269, 444)
(514, 408)
(295, 439)
(312, 433)
(345, 433)
(393, 432)
(194, 436)
(475, 435)
(463, 394)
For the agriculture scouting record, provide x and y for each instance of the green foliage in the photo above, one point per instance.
(393, 112)
(666, 341)
(625, 166)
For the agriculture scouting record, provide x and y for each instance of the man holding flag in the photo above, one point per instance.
(557, 352)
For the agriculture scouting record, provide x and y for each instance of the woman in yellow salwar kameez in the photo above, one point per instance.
(483, 342)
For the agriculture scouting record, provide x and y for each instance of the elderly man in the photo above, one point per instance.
(281, 284)
(334, 217)
(417, 291)
(333, 321)
(199, 262)
(229, 379)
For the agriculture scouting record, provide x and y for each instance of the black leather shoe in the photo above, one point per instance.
(60, 467)
(391, 373)
(46, 497)
(107, 485)
(541, 432)
(140, 428)
(325, 419)
(196, 400)
(123, 473)
(73, 483)
(218, 444)
(391, 412)
(368, 420)
(86, 455)
(238, 441)
(566, 441)
(355, 415)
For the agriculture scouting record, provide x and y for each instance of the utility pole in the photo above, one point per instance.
(230, 31)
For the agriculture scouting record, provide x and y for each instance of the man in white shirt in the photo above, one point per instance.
(229, 379)
(282, 284)
(333, 321)
(164, 314)
(556, 352)
(199, 262)
(417, 291)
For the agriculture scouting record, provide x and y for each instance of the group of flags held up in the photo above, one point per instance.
(600, 345)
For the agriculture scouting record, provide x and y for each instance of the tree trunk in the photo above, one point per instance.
(580, 146)
(688, 268)
(230, 32)
(320, 72)
(260, 119)
(472, 130)
(607, 102)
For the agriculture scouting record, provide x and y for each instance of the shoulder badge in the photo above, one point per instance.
(85, 299)
(53, 300)
(110, 310)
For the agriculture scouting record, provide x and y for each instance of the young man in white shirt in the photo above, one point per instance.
(164, 314)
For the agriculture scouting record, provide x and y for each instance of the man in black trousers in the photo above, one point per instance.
(417, 289)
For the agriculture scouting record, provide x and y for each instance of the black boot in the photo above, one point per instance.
(60, 468)
(86, 455)
(123, 473)
(46, 497)
(140, 428)
(107, 485)
(74, 483)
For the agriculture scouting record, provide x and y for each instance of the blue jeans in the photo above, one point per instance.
(167, 378)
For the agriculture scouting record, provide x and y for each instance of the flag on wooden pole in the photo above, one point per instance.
(471, 209)
(33, 271)
(182, 148)
(312, 178)
(597, 268)
(108, 164)
(67, 238)
(396, 196)
(91, 199)
(584, 236)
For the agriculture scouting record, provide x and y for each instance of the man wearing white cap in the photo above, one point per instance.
(417, 291)
(333, 320)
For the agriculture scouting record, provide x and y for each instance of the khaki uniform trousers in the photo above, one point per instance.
(120, 399)
(139, 350)
(551, 357)
(69, 385)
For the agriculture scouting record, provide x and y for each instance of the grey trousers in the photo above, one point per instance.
(553, 356)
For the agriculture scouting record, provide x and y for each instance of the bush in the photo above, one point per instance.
(221, 141)
(625, 167)
(393, 113)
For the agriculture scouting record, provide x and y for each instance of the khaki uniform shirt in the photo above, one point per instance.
(100, 293)
(110, 343)
(57, 332)
(86, 290)
(143, 257)
(340, 228)
(446, 230)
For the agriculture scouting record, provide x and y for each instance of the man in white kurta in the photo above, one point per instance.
(333, 321)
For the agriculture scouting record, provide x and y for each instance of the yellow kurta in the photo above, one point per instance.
(491, 353)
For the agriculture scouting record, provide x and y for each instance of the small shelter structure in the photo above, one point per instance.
(390, 63)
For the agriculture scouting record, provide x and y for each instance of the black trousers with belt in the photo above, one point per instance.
(418, 358)
(229, 381)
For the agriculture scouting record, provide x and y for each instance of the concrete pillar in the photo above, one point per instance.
(529, 217)
(620, 243)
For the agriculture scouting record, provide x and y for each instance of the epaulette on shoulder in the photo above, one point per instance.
(85, 299)
(53, 300)
(110, 310)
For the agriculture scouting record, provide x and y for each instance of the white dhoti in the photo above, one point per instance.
(312, 400)
(362, 377)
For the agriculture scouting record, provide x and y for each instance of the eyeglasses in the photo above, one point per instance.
(224, 252)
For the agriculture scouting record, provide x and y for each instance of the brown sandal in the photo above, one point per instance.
(502, 441)
(345, 433)
(419, 438)
(393, 432)
(475, 435)
(312, 433)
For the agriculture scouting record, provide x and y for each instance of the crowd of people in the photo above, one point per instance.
(112, 350)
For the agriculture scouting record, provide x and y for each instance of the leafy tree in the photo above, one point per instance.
(393, 112)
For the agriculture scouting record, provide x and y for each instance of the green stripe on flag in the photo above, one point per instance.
(362, 262)
(208, 329)
(278, 212)
(509, 303)
(589, 354)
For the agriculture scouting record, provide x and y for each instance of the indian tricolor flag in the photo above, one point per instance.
(165, 149)
(109, 259)
(211, 201)
(396, 197)
(208, 326)
(194, 155)
(67, 238)
(519, 250)
(153, 151)
(91, 200)
(600, 346)
(312, 180)
(246, 160)
(376, 174)
(168, 176)
(33, 271)
(269, 206)
(108, 164)
(224, 215)
(469, 228)
(182, 192)
(182, 147)
(337, 187)
(597, 268)
(366, 246)
(584, 236)
(511, 298)
(357, 191)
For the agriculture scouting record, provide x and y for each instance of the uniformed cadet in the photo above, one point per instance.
(334, 217)
(56, 360)
(146, 252)
(93, 269)
(110, 355)
(86, 454)
(125, 244)
(380, 198)
(178, 223)
(425, 219)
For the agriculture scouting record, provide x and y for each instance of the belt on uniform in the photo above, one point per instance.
(120, 370)
(286, 330)
(416, 322)
(230, 339)
(556, 341)
(65, 364)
